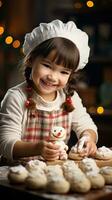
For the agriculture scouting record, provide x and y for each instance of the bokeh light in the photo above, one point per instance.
(16, 44)
(8, 39)
(1, 30)
(100, 110)
(90, 4)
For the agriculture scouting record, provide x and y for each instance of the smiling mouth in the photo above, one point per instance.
(58, 136)
(47, 84)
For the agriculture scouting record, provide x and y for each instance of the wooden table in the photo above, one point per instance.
(19, 191)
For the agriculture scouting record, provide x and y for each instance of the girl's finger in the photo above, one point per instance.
(80, 145)
(51, 157)
(50, 145)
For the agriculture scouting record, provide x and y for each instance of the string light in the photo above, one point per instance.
(100, 110)
(90, 4)
(1, 30)
(16, 44)
(8, 39)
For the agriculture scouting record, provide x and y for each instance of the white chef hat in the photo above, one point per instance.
(57, 28)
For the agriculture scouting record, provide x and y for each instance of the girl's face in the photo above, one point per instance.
(49, 77)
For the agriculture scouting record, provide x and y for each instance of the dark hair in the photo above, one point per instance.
(66, 53)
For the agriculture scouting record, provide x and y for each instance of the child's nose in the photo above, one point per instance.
(52, 76)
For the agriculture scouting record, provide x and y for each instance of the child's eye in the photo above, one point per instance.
(65, 72)
(46, 65)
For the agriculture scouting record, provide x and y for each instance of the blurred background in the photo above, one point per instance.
(17, 17)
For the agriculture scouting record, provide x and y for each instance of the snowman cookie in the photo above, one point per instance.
(57, 136)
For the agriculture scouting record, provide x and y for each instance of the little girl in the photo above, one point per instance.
(54, 52)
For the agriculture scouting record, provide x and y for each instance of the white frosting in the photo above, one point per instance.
(103, 153)
(38, 174)
(106, 170)
(55, 168)
(79, 147)
(54, 173)
(73, 172)
(71, 164)
(82, 141)
(52, 176)
(35, 164)
(92, 173)
(18, 169)
(89, 165)
(74, 149)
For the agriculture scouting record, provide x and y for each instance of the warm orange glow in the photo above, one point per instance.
(100, 110)
(90, 4)
(1, 3)
(8, 39)
(21, 51)
(16, 44)
(1, 30)
(77, 5)
(92, 109)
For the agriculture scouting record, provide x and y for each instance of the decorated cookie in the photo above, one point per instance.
(17, 174)
(89, 167)
(36, 179)
(33, 165)
(107, 174)
(73, 154)
(103, 153)
(76, 177)
(57, 136)
(56, 180)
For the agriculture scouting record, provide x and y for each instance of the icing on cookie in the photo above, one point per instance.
(34, 163)
(72, 171)
(54, 173)
(90, 166)
(104, 152)
(18, 169)
(106, 170)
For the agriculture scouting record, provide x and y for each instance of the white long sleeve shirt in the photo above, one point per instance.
(13, 116)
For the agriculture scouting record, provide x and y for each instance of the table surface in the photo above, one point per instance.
(20, 191)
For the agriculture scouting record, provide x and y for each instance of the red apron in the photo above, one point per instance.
(39, 124)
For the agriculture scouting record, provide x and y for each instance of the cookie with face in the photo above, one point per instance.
(57, 136)
(57, 133)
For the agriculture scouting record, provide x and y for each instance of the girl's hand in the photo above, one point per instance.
(48, 150)
(86, 146)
